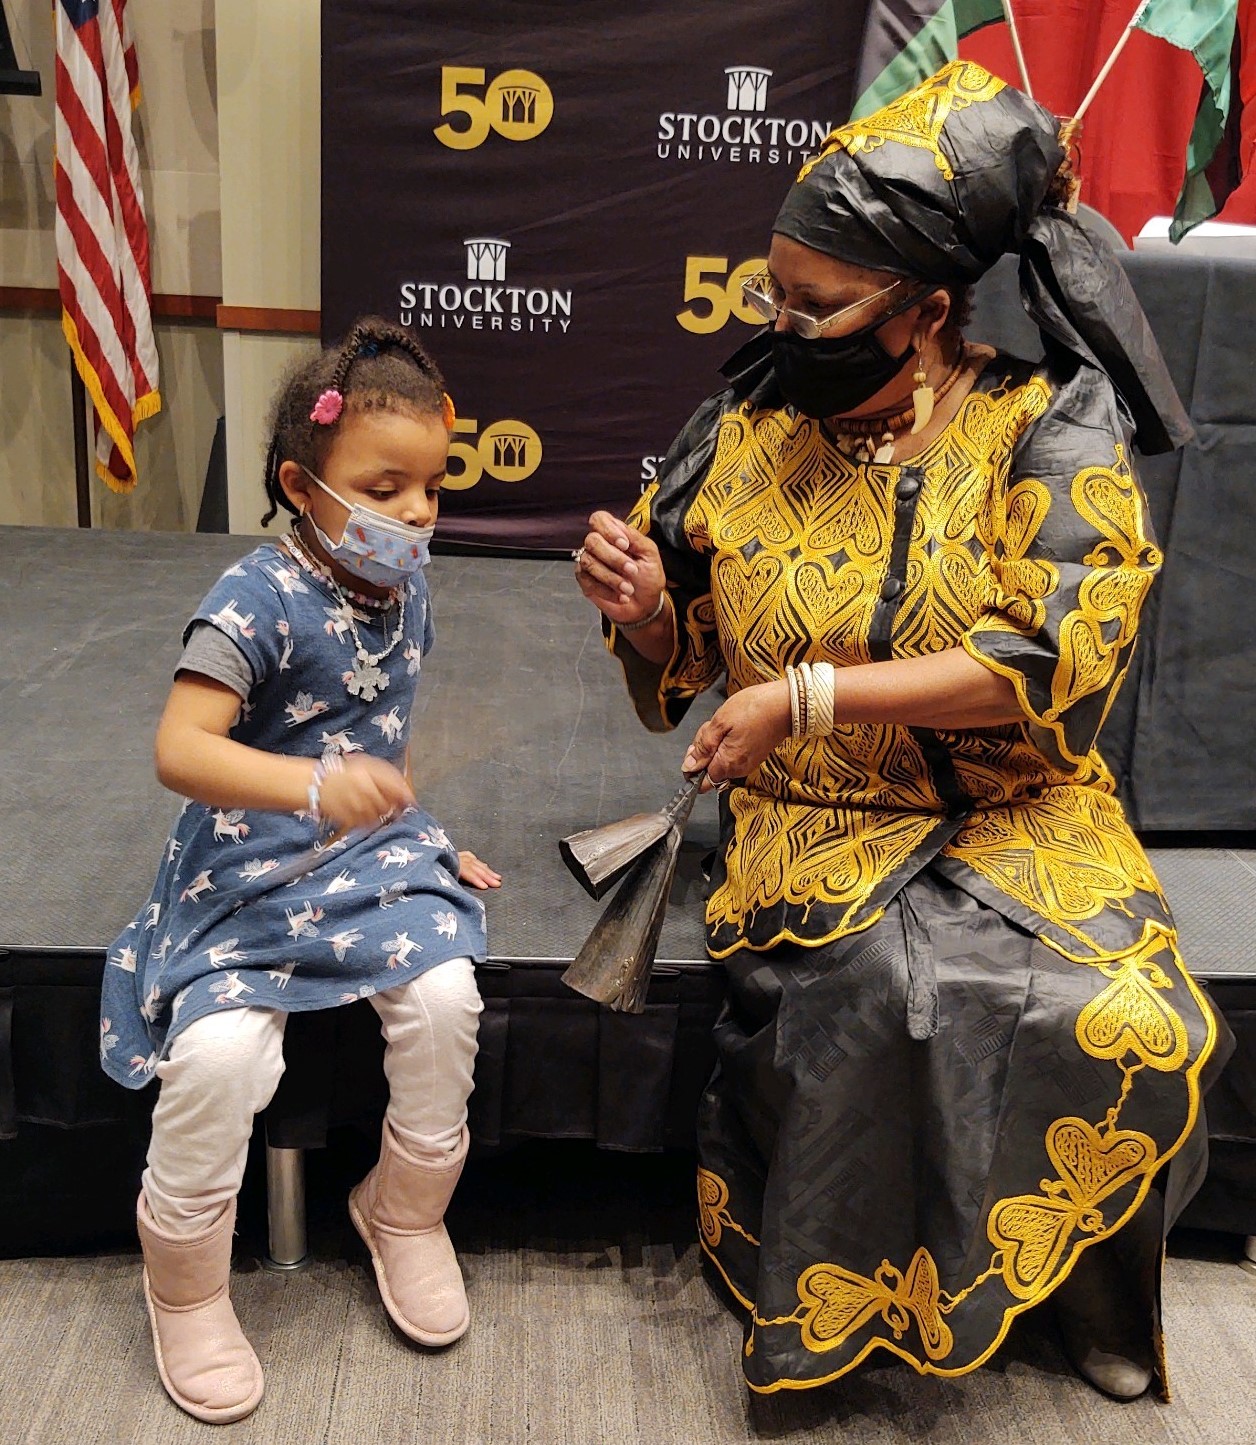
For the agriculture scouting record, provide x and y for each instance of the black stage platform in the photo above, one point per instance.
(523, 733)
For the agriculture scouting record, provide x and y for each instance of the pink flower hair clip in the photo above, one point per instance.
(328, 407)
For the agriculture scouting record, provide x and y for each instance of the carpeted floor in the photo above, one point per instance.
(592, 1322)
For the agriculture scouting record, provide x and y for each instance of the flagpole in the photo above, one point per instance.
(1111, 60)
(1010, 16)
(82, 468)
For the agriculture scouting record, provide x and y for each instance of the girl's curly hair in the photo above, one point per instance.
(378, 367)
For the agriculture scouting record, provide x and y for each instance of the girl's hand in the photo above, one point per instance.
(366, 790)
(746, 730)
(477, 873)
(620, 570)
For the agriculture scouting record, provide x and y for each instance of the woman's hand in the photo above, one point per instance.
(619, 569)
(366, 790)
(476, 872)
(748, 728)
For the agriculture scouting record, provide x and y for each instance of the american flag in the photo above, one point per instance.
(102, 235)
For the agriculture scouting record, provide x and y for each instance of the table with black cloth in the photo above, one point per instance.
(525, 733)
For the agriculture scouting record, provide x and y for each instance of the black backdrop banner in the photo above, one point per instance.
(563, 199)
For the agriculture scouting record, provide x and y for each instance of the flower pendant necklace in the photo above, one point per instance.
(365, 678)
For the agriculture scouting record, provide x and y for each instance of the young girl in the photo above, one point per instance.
(301, 872)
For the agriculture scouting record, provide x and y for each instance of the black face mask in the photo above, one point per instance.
(828, 376)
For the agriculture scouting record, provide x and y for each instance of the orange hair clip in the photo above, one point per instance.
(447, 413)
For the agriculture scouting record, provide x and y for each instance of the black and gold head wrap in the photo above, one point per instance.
(959, 171)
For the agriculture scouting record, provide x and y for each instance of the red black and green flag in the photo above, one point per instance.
(905, 41)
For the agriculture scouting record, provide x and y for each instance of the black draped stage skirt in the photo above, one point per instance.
(914, 1132)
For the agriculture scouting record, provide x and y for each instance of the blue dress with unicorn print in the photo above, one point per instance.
(226, 925)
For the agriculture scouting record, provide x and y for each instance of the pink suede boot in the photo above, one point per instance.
(207, 1366)
(399, 1209)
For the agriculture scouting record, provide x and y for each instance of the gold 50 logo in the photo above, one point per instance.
(516, 104)
(508, 451)
(716, 293)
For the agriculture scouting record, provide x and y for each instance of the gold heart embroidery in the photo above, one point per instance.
(759, 583)
(1080, 885)
(731, 582)
(922, 1300)
(1031, 1231)
(1093, 1166)
(1129, 1016)
(838, 1302)
(712, 1197)
(1084, 666)
(815, 584)
(917, 118)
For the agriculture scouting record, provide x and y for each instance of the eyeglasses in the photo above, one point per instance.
(809, 328)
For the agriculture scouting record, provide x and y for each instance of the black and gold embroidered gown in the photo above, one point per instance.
(960, 1045)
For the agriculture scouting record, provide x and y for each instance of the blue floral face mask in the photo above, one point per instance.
(374, 547)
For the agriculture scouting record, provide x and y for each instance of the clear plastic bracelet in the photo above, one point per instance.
(323, 768)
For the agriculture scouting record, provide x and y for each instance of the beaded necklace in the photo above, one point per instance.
(861, 429)
(299, 551)
(365, 679)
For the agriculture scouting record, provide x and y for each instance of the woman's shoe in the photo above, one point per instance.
(206, 1364)
(1102, 1336)
(399, 1210)
(1110, 1374)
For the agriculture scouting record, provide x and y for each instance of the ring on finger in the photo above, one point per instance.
(578, 558)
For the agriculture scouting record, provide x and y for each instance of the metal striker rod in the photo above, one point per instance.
(287, 1247)
(82, 468)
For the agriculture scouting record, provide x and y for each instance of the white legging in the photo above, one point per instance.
(225, 1067)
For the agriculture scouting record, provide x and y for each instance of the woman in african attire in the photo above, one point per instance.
(960, 1063)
